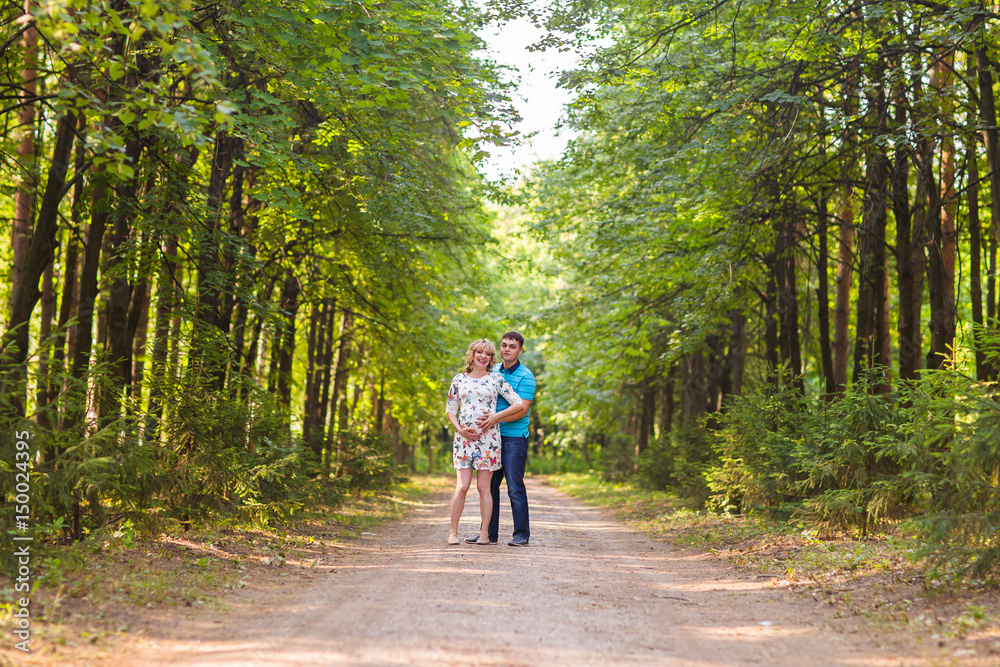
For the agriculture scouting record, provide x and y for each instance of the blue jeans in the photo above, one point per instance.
(513, 457)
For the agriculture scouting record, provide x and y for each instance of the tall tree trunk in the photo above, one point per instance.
(908, 322)
(207, 344)
(975, 258)
(737, 353)
(45, 346)
(67, 307)
(120, 296)
(286, 353)
(240, 363)
(918, 241)
(771, 317)
(930, 202)
(885, 330)
(340, 384)
(647, 411)
(138, 332)
(379, 404)
(103, 297)
(173, 367)
(40, 253)
(988, 123)
(237, 220)
(309, 407)
(72, 291)
(24, 195)
(788, 302)
(823, 295)
(247, 221)
(255, 355)
(167, 300)
(398, 447)
(694, 398)
(941, 79)
(842, 300)
(717, 377)
(359, 353)
(326, 364)
(429, 449)
(272, 368)
(667, 404)
(850, 104)
(871, 328)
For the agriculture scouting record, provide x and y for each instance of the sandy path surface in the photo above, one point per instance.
(586, 592)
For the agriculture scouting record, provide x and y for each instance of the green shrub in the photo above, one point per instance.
(838, 464)
(225, 455)
(961, 473)
(679, 464)
(656, 466)
(854, 459)
(85, 474)
(617, 460)
(557, 460)
(364, 463)
(756, 445)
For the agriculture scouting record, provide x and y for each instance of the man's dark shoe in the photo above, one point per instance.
(474, 539)
(518, 542)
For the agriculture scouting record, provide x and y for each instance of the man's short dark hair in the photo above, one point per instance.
(513, 335)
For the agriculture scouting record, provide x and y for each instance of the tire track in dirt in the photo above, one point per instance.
(586, 592)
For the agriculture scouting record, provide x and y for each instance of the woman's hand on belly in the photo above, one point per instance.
(469, 433)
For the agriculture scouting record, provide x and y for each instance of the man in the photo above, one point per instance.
(513, 442)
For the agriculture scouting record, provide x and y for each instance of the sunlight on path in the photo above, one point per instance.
(586, 592)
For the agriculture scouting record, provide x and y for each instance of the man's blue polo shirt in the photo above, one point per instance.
(523, 382)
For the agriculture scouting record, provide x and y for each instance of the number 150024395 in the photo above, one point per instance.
(22, 552)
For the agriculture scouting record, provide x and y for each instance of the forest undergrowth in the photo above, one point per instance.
(878, 577)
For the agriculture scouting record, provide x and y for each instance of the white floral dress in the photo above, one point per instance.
(478, 396)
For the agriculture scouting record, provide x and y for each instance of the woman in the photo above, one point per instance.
(477, 390)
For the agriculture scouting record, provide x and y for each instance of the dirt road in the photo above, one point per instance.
(586, 592)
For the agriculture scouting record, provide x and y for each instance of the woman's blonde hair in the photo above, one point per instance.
(475, 346)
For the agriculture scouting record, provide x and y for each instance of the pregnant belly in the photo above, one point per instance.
(467, 418)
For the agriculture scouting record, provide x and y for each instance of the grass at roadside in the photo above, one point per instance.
(89, 595)
(874, 577)
(759, 544)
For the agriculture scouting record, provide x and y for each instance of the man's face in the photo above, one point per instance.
(509, 349)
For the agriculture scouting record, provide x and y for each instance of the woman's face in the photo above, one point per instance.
(481, 358)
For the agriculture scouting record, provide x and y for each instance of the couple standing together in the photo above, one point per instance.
(492, 436)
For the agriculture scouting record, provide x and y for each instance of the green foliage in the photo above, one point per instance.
(929, 454)
(79, 476)
(757, 447)
(656, 467)
(227, 457)
(961, 477)
(326, 151)
(836, 465)
(854, 466)
(364, 463)
(618, 457)
(679, 464)
(696, 146)
(557, 461)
